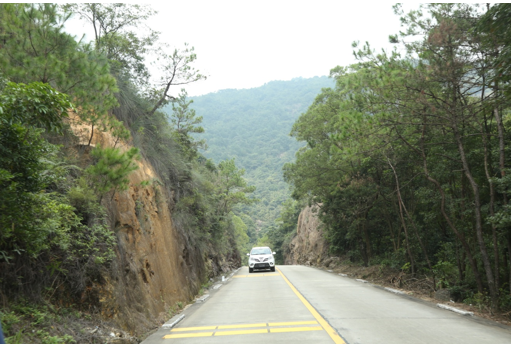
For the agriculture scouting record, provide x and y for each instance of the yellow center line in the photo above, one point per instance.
(248, 331)
(331, 332)
(294, 323)
(244, 326)
(295, 329)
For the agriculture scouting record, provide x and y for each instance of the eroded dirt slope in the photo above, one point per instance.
(156, 267)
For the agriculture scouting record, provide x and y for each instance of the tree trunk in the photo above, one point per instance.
(458, 234)
(478, 216)
(400, 200)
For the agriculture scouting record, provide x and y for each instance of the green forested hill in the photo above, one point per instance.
(253, 125)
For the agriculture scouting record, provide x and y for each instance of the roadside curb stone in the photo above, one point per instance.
(459, 311)
(174, 321)
(202, 299)
(394, 291)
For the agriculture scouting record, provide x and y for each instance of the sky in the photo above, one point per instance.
(245, 44)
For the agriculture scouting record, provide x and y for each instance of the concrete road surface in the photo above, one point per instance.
(299, 304)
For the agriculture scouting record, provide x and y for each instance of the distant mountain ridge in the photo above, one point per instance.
(253, 126)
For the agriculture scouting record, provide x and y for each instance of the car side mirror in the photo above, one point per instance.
(274, 253)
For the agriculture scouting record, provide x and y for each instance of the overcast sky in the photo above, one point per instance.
(245, 44)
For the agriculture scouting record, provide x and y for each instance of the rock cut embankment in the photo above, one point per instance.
(155, 265)
(308, 247)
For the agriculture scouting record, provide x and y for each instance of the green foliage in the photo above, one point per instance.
(407, 155)
(38, 317)
(117, 29)
(111, 170)
(233, 187)
(279, 237)
(176, 69)
(185, 124)
(35, 48)
(252, 126)
(56, 241)
(50, 229)
(28, 215)
(34, 105)
(240, 234)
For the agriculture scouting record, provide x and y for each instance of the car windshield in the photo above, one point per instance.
(260, 251)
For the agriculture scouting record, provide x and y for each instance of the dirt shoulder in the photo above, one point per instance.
(419, 286)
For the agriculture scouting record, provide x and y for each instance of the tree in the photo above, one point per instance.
(27, 214)
(117, 35)
(111, 170)
(232, 187)
(35, 48)
(176, 69)
(186, 123)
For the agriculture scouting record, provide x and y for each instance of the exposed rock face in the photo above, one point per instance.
(155, 266)
(308, 247)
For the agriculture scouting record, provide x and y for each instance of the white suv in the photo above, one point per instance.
(261, 258)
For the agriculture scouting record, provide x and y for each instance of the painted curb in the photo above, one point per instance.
(459, 311)
(172, 322)
(394, 291)
(217, 286)
(361, 280)
(343, 275)
(330, 271)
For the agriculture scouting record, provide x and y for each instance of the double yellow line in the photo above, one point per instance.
(263, 327)
(218, 329)
(331, 332)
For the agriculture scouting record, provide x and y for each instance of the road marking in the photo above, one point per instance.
(257, 275)
(331, 332)
(295, 323)
(295, 329)
(248, 331)
(243, 326)
(271, 327)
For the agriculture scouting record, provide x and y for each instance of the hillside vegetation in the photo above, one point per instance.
(252, 126)
(408, 155)
(61, 242)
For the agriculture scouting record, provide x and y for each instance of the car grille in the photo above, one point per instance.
(261, 259)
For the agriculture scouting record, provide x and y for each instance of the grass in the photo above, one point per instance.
(46, 323)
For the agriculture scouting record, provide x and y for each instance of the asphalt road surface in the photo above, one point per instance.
(298, 304)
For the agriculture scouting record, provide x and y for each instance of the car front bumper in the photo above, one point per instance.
(261, 265)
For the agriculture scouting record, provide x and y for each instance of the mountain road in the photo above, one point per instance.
(299, 304)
